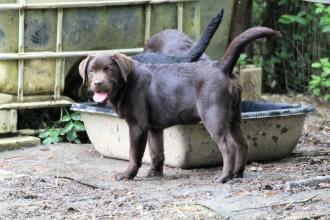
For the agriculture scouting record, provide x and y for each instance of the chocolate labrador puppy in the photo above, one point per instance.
(152, 97)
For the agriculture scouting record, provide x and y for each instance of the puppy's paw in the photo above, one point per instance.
(122, 176)
(223, 178)
(239, 171)
(238, 174)
(154, 173)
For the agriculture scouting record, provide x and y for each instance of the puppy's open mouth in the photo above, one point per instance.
(100, 97)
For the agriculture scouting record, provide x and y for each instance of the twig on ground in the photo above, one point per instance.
(314, 216)
(179, 211)
(285, 208)
(293, 202)
(314, 153)
(56, 181)
(307, 182)
(207, 207)
(278, 204)
(326, 128)
(12, 157)
(80, 182)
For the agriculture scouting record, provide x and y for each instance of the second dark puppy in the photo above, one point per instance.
(160, 43)
(151, 97)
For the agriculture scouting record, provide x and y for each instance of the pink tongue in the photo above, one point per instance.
(100, 96)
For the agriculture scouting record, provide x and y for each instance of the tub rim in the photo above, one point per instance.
(287, 110)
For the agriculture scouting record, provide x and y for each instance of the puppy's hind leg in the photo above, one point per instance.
(156, 151)
(241, 149)
(216, 122)
(238, 136)
(227, 148)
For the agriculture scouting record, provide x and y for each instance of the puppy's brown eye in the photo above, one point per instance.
(106, 69)
(92, 69)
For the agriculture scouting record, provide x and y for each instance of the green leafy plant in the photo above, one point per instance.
(320, 83)
(324, 13)
(288, 64)
(242, 59)
(303, 17)
(288, 19)
(65, 129)
(320, 79)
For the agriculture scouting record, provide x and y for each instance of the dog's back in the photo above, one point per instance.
(156, 49)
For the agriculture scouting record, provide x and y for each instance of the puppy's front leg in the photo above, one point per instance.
(138, 140)
(156, 151)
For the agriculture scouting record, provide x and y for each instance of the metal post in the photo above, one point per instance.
(59, 61)
(147, 23)
(180, 17)
(20, 75)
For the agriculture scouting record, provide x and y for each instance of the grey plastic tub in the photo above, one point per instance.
(271, 129)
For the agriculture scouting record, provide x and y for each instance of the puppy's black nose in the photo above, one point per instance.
(99, 83)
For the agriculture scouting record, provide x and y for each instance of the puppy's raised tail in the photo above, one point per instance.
(196, 52)
(235, 48)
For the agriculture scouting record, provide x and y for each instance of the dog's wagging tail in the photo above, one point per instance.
(196, 52)
(192, 55)
(235, 48)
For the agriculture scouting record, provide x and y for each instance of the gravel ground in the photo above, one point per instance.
(74, 182)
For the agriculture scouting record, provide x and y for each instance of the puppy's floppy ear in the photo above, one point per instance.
(83, 68)
(124, 63)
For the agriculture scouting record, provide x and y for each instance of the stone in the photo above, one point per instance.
(12, 143)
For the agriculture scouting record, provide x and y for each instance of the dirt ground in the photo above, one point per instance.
(66, 181)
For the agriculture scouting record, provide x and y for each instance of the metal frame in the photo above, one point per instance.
(180, 16)
(319, 1)
(59, 61)
(36, 104)
(20, 82)
(23, 5)
(60, 56)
